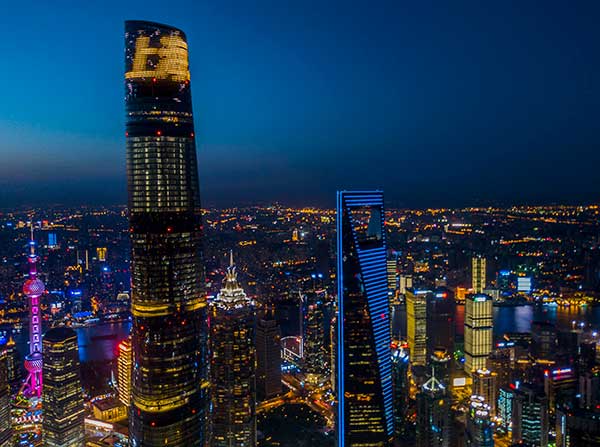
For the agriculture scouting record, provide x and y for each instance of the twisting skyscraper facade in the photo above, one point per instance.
(233, 365)
(169, 395)
(364, 383)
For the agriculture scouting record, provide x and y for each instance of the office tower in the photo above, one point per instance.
(63, 397)
(315, 363)
(441, 361)
(124, 370)
(405, 282)
(478, 331)
(577, 427)
(322, 257)
(233, 365)
(364, 383)
(5, 403)
(101, 253)
(560, 387)
(13, 370)
(478, 274)
(524, 284)
(530, 417)
(33, 289)
(434, 415)
(169, 392)
(479, 431)
(392, 276)
(502, 361)
(416, 325)
(52, 241)
(440, 320)
(485, 384)
(401, 392)
(503, 280)
(589, 388)
(544, 341)
(268, 357)
(505, 407)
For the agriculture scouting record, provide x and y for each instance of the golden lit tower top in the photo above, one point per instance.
(478, 274)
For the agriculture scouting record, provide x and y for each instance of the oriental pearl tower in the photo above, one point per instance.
(33, 288)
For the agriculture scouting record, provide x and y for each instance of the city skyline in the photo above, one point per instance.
(487, 100)
(431, 315)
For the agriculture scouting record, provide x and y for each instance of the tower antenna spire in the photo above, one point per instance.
(33, 289)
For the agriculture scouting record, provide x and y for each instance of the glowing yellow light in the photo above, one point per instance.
(172, 61)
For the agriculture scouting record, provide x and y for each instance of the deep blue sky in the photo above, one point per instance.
(440, 103)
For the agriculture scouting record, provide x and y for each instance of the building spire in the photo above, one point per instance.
(231, 293)
(33, 289)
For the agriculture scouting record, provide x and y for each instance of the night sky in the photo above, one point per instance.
(445, 103)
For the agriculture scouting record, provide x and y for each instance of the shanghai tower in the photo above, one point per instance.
(169, 394)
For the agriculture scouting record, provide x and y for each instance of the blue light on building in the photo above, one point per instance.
(364, 380)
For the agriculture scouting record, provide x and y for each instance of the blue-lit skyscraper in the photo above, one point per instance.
(363, 383)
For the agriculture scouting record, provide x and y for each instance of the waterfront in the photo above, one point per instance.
(517, 318)
(98, 343)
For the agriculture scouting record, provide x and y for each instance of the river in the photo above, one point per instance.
(98, 343)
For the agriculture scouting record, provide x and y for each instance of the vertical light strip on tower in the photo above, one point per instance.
(364, 389)
(33, 289)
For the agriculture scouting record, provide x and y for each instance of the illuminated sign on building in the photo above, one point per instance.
(165, 61)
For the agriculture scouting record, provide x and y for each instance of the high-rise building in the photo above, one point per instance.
(52, 241)
(434, 415)
(63, 397)
(530, 417)
(502, 360)
(392, 276)
(124, 370)
(416, 325)
(315, 363)
(101, 254)
(505, 407)
(478, 274)
(33, 289)
(440, 320)
(485, 385)
(577, 427)
(589, 388)
(478, 331)
(441, 360)
(5, 402)
(169, 340)
(560, 387)
(405, 282)
(544, 341)
(401, 392)
(364, 414)
(268, 357)
(233, 365)
(479, 431)
(12, 365)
